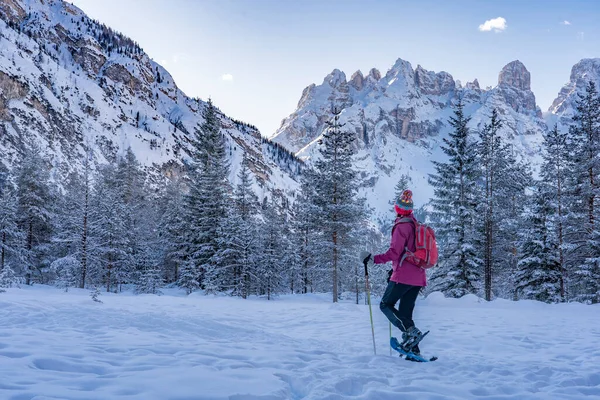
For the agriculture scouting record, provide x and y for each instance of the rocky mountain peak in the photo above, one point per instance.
(515, 74)
(433, 83)
(357, 80)
(374, 74)
(336, 78)
(587, 68)
(583, 72)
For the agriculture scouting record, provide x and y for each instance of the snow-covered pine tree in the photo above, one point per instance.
(207, 198)
(95, 293)
(270, 260)
(149, 277)
(35, 201)
(67, 271)
(554, 175)
(139, 217)
(72, 221)
(238, 244)
(108, 229)
(305, 236)
(340, 211)
(491, 153)
(8, 278)
(454, 208)
(583, 234)
(10, 235)
(171, 227)
(512, 187)
(538, 274)
(149, 254)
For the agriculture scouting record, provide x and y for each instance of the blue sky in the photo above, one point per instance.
(254, 57)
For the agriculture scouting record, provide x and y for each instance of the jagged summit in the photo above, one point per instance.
(515, 74)
(583, 72)
(401, 118)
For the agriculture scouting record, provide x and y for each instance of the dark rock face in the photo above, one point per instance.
(514, 74)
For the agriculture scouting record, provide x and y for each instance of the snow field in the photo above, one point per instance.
(56, 345)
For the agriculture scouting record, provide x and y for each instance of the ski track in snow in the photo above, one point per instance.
(56, 345)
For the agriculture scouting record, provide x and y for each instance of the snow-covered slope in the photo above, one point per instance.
(400, 119)
(67, 81)
(296, 347)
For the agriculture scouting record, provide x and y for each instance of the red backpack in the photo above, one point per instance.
(426, 251)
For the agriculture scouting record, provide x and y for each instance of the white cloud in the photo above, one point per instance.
(581, 35)
(565, 22)
(496, 24)
(227, 77)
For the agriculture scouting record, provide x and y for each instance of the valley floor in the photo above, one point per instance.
(57, 345)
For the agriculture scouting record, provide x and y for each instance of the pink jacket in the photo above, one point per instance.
(403, 236)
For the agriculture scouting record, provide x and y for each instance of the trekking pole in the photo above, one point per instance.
(390, 337)
(370, 311)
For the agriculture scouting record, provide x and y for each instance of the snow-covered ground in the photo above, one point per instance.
(56, 345)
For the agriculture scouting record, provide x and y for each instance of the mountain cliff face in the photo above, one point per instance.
(563, 107)
(400, 119)
(67, 81)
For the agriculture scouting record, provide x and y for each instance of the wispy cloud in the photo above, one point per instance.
(227, 77)
(581, 35)
(495, 24)
(565, 22)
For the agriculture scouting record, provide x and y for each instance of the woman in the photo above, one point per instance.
(406, 279)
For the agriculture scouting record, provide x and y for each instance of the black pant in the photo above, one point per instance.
(407, 294)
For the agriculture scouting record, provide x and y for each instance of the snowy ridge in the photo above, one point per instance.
(401, 118)
(67, 82)
(296, 347)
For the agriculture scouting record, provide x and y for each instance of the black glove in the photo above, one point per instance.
(390, 272)
(366, 257)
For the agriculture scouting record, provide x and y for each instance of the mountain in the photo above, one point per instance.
(563, 107)
(67, 81)
(400, 119)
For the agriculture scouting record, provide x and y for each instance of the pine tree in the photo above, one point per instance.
(10, 235)
(35, 201)
(67, 270)
(138, 217)
(149, 253)
(149, 277)
(95, 293)
(270, 258)
(554, 174)
(72, 222)
(339, 210)
(8, 278)
(491, 153)
(539, 271)
(512, 187)
(235, 261)
(108, 229)
(207, 198)
(305, 237)
(455, 204)
(171, 227)
(584, 230)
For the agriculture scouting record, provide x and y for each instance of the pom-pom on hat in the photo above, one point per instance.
(404, 204)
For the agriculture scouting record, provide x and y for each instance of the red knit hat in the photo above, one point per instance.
(404, 204)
